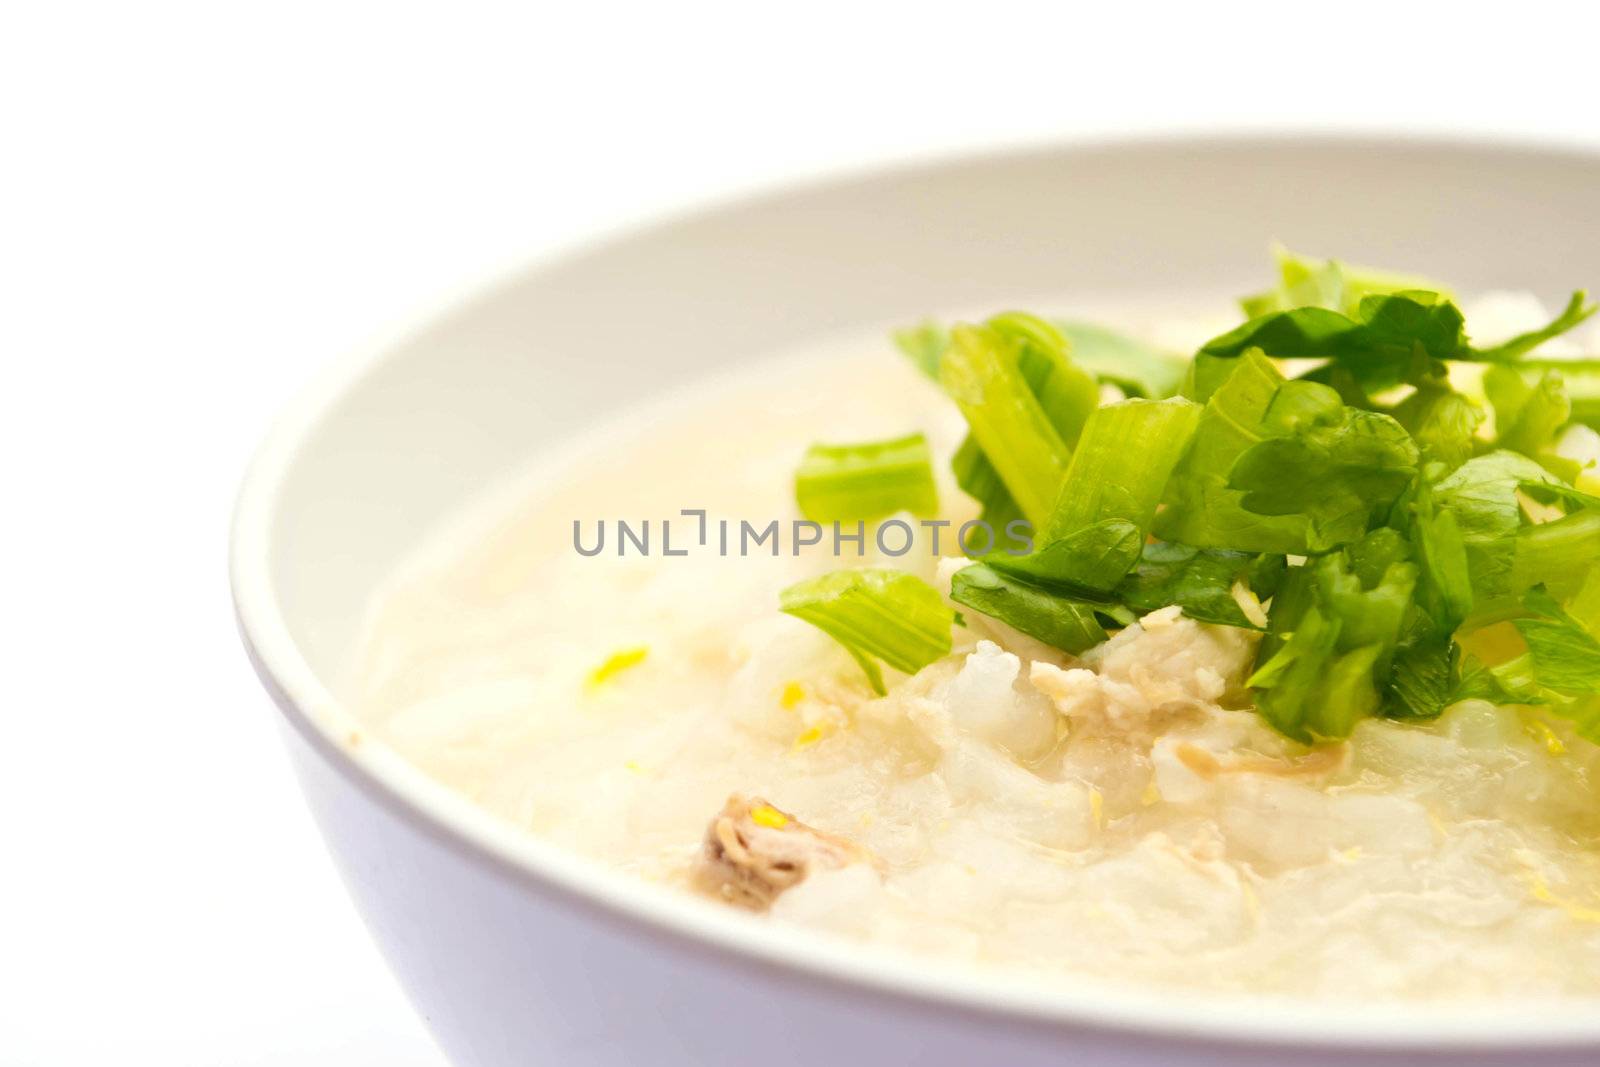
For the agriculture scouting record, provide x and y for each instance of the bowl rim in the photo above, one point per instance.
(1154, 1012)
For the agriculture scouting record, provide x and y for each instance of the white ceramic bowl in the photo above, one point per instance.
(517, 953)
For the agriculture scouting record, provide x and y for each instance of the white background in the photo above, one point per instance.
(200, 204)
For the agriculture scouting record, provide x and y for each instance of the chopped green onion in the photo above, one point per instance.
(866, 481)
(876, 614)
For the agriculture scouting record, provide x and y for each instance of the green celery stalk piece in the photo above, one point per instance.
(1529, 418)
(867, 480)
(976, 477)
(924, 345)
(981, 374)
(1063, 392)
(877, 614)
(1123, 461)
(1066, 391)
(1481, 499)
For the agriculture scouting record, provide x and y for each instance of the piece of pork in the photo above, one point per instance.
(753, 852)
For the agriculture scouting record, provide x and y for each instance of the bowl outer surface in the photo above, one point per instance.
(516, 953)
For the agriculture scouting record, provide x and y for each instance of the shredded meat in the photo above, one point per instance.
(753, 852)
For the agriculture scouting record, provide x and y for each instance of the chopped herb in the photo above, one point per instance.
(1088, 562)
(1065, 393)
(924, 345)
(1383, 530)
(1331, 643)
(1566, 655)
(1199, 580)
(1577, 310)
(1201, 508)
(866, 481)
(1008, 420)
(1389, 339)
(1132, 366)
(1126, 454)
(877, 614)
(1338, 466)
(1056, 619)
(1328, 283)
(1443, 422)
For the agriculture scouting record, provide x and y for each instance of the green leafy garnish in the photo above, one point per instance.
(1425, 679)
(1199, 580)
(1131, 365)
(1443, 423)
(1529, 418)
(1089, 562)
(1202, 510)
(1340, 467)
(924, 345)
(877, 614)
(1480, 497)
(1025, 403)
(1577, 310)
(1389, 339)
(1361, 504)
(1126, 454)
(1556, 554)
(1307, 282)
(866, 481)
(1566, 655)
(1332, 641)
(1054, 618)
(1444, 581)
